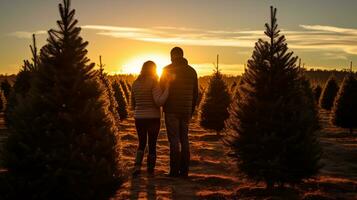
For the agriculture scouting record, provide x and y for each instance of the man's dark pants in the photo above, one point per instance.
(177, 132)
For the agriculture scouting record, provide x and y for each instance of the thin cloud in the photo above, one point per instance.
(335, 56)
(315, 37)
(118, 29)
(26, 34)
(311, 37)
(332, 29)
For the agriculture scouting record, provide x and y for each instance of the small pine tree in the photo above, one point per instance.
(309, 98)
(63, 143)
(201, 93)
(22, 83)
(126, 91)
(329, 93)
(128, 86)
(233, 87)
(214, 110)
(2, 104)
(6, 88)
(317, 93)
(121, 100)
(273, 121)
(345, 105)
(109, 93)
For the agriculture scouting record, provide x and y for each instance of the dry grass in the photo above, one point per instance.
(213, 176)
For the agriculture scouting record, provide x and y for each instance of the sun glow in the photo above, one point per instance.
(133, 66)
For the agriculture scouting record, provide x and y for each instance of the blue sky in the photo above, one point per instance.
(126, 32)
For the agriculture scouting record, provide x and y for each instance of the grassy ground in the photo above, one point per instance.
(214, 176)
(211, 171)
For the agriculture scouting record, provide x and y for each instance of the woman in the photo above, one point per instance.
(147, 97)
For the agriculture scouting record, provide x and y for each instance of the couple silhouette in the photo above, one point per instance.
(176, 91)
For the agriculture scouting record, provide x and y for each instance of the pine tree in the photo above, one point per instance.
(345, 105)
(329, 93)
(121, 100)
(22, 83)
(309, 98)
(233, 87)
(128, 86)
(214, 110)
(125, 90)
(109, 93)
(201, 93)
(317, 93)
(273, 121)
(63, 143)
(2, 104)
(6, 88)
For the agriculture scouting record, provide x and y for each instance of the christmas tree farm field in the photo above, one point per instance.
(214, 176)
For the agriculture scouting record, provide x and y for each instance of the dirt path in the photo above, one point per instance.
(210, 170)
(340, 150)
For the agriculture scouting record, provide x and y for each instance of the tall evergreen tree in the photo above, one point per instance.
(63, 143)
(6, 88)
(121, 100)
(126, 91)
(214, 110)
(329, 93)
(273, 123)
(345, 105)
(317, 93)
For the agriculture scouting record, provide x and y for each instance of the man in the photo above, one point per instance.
(178, 110)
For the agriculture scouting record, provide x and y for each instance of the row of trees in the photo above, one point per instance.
(345, 104)
(340, 100)
(64, 139)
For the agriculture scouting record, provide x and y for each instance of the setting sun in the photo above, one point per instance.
(133, 65)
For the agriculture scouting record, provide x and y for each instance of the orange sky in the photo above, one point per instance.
(127, 33)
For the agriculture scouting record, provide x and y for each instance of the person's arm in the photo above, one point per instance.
(160, 95)
(195, 93)
(163, 79)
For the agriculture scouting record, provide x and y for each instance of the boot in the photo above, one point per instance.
(151, 162)
(138, 161)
